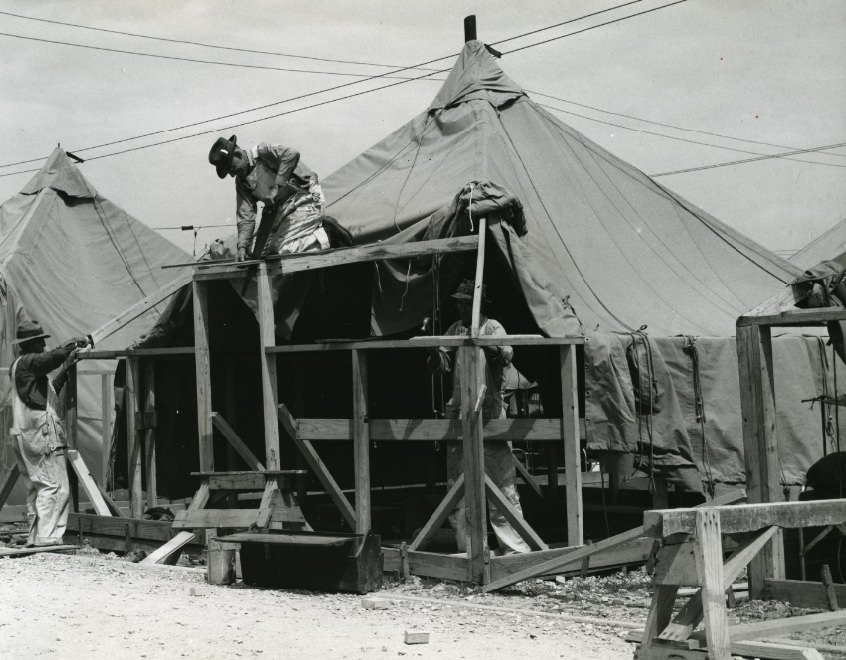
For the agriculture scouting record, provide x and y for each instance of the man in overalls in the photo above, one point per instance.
(290, 191)
(37, 434)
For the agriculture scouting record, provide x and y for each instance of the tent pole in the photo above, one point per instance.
(470, 28)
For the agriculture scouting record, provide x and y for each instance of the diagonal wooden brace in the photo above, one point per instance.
(441, 513)
(513, 516)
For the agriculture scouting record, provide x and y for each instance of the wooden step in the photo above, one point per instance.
(223, 518)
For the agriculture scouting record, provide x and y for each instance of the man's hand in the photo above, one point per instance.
(76, 343)
(242, 254)
(492, 352)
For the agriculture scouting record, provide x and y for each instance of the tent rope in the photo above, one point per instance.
(699, 405)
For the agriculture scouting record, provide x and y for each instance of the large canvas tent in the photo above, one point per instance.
(73, 261)
(579, 241)
(828, 246)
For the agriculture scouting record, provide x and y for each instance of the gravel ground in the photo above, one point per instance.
(91, 605)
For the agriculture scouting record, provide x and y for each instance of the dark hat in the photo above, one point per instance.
(29, 330)
(465, 291)
(221, 155)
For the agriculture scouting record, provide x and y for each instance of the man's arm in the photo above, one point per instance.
(499, 356)
(245, 215)
(441, 360)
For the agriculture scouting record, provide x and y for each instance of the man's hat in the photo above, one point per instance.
(465, 291)
(221, 155)
(29, 330)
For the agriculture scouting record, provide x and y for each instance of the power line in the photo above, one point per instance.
(194, 60)
(422, 64)
(664, 125)
(681, 139)
(593, 27)
(751, 160)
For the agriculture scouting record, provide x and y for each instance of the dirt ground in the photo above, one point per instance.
(90, 605)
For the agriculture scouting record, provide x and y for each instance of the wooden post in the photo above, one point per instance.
(708, 550)
(71, 428)
(270, 397)
(202, 362)
(133, 444)
(757, 405)
(150, 430)
(477, 288)
(230, 411)
(361, 442)
(472, 371)
(572, 443)
(107, 410)
(470, 28)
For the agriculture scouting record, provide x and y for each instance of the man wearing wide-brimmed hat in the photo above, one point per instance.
(499, 463)
(290, 191)
(37, 434)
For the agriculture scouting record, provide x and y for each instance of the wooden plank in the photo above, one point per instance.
(442, 511)
(794, 317)
(24, 552)
(428, 341)
(511, 514)
(438, 430)
(219, 518)
(472, 364)
(88, 483)
(235, 441)
(270, 397)
(244, 482)
(107, 410)
(555, 565)
(760, 447)
(802, 594)
(173, 545)
(572, 445)
(133, 439)
(318, 467)
(146, 303)
(768, 650)
(443, 567)
(709, 570)
(479, 279)
(89, 523)
(574, 558)
(660, 611)
(781, 627)
(361, 442)
(747, 517)
(149, 397)
(202, 362)
(175, 351)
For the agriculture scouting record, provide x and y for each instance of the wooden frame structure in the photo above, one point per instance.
(478, 566)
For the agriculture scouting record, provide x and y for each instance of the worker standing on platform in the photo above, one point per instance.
(499, 463)
(37, 433)
(292, 216)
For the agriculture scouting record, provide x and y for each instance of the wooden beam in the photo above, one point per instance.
(88, 484)
(472, 364)
(270, 397)
(793, 317)
(149, 396)
(146, 303)
(429, 341)
(8, 483)
(555, 565)
(438, 430)
(479, 280)
(780, 627)
(443, 567)
(513, 516)
(221, 518)
(802, 594)
(747, 517)
(525, 475)
(133, 439)
(163, 554)
(107, 409)
(572, 445)
(361, 442)
(318, 467)
(339, 257)
(202, 368)
(235, 441)
(742, 648)
(442, 511)
(760, 446)
(709, 570)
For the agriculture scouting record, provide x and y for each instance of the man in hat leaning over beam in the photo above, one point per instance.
(499, 464)
(292, 217)
(37, 434)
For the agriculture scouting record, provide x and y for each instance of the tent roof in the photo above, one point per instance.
(829, 246)
(627, 250)
(76, 259)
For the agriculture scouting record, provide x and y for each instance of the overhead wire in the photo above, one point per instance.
(382, 75)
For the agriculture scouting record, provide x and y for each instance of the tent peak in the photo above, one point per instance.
(59, 173)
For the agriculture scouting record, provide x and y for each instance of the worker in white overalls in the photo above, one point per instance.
(37, 434)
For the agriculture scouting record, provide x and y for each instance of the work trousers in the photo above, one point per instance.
(48, 491)
(499, 466)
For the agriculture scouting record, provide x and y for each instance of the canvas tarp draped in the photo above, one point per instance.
(73, 260)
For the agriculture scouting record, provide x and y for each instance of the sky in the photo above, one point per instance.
(746, 77)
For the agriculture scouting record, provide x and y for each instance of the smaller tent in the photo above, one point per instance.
(73, 260)
(829, 246)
